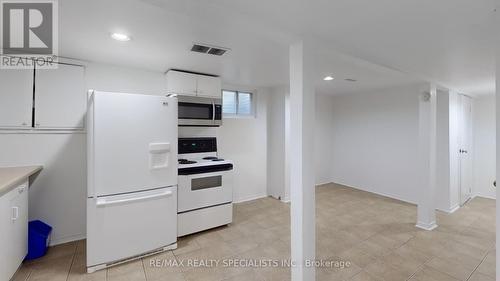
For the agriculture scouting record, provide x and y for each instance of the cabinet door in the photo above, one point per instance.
(14, 225)
(16, 98)
(181, 83)
(209, 86)
(19, 239)
(5, 230)
(60, 99)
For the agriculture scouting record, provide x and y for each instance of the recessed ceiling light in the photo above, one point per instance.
(120, 37)
(328, 78)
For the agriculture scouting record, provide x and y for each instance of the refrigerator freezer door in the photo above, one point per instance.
(132, 143)
(123, 226)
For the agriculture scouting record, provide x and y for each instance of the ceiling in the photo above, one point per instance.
(380, 43)
(450, 42)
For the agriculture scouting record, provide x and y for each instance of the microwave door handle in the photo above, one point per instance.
(213, 110)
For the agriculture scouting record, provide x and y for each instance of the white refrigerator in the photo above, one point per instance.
(132, 177)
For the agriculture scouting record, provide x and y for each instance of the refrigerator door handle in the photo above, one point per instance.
(101, 202)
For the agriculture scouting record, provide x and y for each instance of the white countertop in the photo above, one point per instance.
(10, 177)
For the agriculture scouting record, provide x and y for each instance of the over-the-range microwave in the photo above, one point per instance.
(200, 111)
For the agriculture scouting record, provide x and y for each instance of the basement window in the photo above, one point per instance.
(237, 104)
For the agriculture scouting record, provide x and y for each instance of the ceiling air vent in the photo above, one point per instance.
(200, 48)
(216, 51)
(350, 80)
(207, 49)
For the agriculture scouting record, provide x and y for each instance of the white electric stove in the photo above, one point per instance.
(205, 186)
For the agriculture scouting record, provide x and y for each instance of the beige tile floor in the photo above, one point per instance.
(375, 234)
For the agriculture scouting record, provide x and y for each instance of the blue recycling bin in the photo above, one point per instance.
(38, 239)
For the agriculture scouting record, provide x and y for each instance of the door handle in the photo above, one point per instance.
(106, 202)
(15, 213)
(213, 110)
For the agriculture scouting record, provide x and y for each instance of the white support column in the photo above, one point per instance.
(497, 29)
(302, 188)
(426, 214)
(498, 159)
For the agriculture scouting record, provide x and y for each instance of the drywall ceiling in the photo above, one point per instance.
(443, 41)
(162, 35)
(341, 67)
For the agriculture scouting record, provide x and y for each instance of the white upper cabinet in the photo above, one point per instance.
(209, 86)
(16, 98)
(60, 98)
(181, 83)
(190, 84)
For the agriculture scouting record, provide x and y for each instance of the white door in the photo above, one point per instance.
(16, 98)
(465, 148)
(60, 98)
(181, 83)
(134, 143)
(123, 226)
(209, 86)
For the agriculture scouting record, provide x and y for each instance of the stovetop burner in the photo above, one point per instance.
(212, 158)
(185, 161)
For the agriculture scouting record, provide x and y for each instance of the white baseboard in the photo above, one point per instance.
(286, 200)
(485, 196)
(324, 183)
(378, 193)
(426, 226)
(250, 198)
(66, 239)
(451, 210)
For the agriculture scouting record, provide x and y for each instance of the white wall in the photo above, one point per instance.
(244, 140)
(454, 131)
(126, 80)
(443, 151)
(375, 141)
(323, 149)
(279, 139)
(484, 146)
(276, 148)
